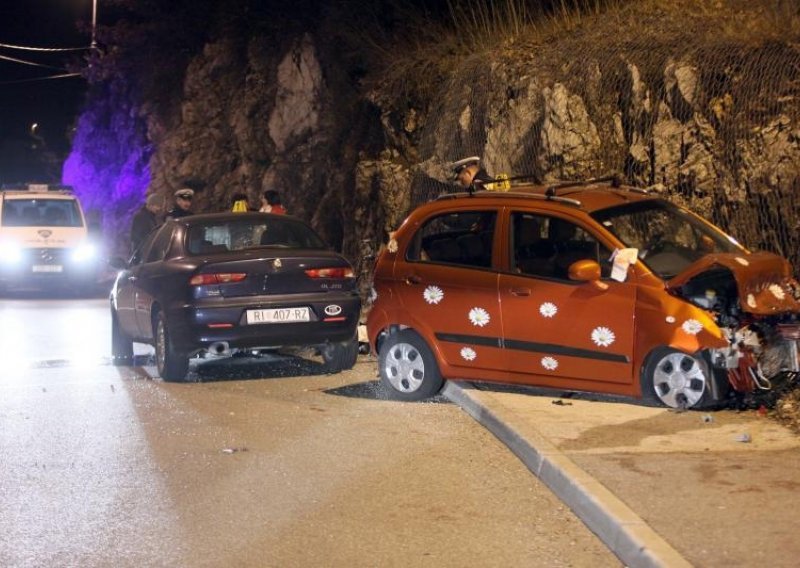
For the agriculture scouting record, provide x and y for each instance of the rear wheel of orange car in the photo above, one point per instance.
(677, 379)
(408, 368)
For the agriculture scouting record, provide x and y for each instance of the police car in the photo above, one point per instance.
(45, 239)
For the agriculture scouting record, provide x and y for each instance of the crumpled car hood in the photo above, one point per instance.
(764, 280)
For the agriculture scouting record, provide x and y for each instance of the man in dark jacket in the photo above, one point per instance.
(469, 174)
(146, 219)
(183, 203)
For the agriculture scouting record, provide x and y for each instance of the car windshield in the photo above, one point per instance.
(239, 234)
(41, 213)
(668, 237)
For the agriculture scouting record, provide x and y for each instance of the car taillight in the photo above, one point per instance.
(340, 272)
(216, 278)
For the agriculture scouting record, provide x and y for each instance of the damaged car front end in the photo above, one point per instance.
(733, 320)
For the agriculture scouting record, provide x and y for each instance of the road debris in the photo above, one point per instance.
(708, 419)
(233, 450)
(560, 403)
(744, 438)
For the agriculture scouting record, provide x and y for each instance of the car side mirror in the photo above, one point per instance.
(587, 271)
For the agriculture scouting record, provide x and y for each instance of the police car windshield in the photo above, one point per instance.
(37, 212)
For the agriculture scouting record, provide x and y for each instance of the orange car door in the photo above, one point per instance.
(556, 328)
(449, 288)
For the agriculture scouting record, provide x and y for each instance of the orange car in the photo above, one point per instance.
(587, 286)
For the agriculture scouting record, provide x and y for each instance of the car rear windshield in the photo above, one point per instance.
(239, 234)
(41, 213)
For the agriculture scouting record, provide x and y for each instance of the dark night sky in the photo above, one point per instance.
(54, 103)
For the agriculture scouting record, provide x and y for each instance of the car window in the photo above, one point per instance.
(462, 237)
(161, 242)
(546, 246)
(223, 236)
(41, 213)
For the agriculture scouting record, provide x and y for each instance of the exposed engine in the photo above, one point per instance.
(763, 350)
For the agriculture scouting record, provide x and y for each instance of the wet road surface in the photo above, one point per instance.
(266, 463)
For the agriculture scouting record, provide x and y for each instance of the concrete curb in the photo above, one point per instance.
(633, 541)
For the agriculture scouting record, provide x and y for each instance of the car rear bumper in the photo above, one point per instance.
(195, 328)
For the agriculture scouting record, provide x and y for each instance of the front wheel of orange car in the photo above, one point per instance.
(408, 368)
(678, 380)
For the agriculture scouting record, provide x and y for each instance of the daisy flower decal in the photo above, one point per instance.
(742, 261)
(548, 309)
(692, 326)
(603, 336)
(479, 317)
(392, 245)
(670, 319)
(468, 353)
(777, 291)
(751, 301)
(433, 294)
(549, 363)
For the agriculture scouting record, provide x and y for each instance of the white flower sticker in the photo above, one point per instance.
(751, 301)
(603, 336)
(692, 326)
(742, 261)
(433, 294)
(392, 245)
(549, 363)
(479, 317)
(468, 353)
(777, 291)
(548, 309)
(670, 319)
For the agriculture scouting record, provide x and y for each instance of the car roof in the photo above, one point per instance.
(38, 195)
(588, 196)
(230, 216)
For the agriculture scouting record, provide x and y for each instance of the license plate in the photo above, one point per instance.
(47, 268)
(280, 315)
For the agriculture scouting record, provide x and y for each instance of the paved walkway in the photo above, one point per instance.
(659, 487)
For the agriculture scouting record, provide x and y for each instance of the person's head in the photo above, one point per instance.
(154, 203)
(464, 170)
(271, 197)
(183, 198)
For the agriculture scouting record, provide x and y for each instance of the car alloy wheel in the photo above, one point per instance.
(408, 368)
(121, 344)
(677, 379)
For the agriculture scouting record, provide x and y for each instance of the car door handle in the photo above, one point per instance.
(413, 279)
(521, 291)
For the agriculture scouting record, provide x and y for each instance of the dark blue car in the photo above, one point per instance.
(230, 282)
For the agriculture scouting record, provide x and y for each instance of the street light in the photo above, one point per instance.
(94, 24)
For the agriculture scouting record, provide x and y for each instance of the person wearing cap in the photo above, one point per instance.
(183, 203)
(146, 219)
(468, 173)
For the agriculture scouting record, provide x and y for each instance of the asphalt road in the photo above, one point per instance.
(256, 463)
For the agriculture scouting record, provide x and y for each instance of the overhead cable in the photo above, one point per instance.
(15, 60)
(28, 48)
(61, 76)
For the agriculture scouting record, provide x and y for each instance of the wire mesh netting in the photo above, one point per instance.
(712, 126)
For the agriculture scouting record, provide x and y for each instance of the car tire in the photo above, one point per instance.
(407, 367)
(676, 379)
(121, 344)
(340, 356)
(172, 366)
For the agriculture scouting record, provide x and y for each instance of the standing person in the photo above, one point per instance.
(146, 219)
(271, 203)
(469, 174)
(183, 203)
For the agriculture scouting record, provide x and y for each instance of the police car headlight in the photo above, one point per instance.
(84, 253)
(10, 252)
